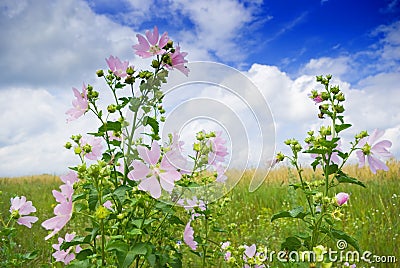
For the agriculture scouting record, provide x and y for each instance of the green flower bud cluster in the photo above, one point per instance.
(91, 93)
(294, 145)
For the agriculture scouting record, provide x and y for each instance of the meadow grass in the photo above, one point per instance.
(372, 217)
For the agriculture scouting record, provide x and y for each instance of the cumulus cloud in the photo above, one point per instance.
(49, 46)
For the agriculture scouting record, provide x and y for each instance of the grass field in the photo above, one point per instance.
(373, 215)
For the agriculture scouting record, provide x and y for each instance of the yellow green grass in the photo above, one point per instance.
(372, 218)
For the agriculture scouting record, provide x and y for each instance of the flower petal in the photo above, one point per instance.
(140, 171)
(152, 186)
(150, 156)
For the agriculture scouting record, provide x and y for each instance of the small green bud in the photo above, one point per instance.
(101, 212)
(325, 95)
(335, 89)
(130, 70)
(366, 149)
(298, 147)
(319, 78)
(169, 44)
(339, 108)
(77, 150)
(89, 87)
(288, 142)
(324, 107)
(196, 147)
(310, 133)
(162, 118)
(111, 108)
(76, 138)
(155, 64)
(68, 145)
(129, 80)
(329, 77)
(167, 59)
(280, 157)
(362, 134)
(340, 97)
(211, 135)
(87, 148)
(200, 136)
(100, 73)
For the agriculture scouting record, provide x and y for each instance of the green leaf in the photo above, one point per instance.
(83, 254)
(110, 126)
(127, 259)
(117, 245)
(120, 193)
(332, 168)
(80, 264)
(135, 103)
(135, 231)
(92, 199)
(147, 120)
(139, 249)
(343, 178)
(294, 213)
(338, 234)
(291, 243)
(341, 127)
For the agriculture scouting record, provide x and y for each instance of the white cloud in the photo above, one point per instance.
(49, 46)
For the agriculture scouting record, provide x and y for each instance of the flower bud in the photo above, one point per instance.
(341, 198)
(101, 212)
(111, 108)
(362, 134)
(196, 147)
(335, 89)
(328, 76)
(339, 108)
(162, 118)
(77, 150)
(319, 78)
(87, 148)
(100, 73)
(129, 80)
(280, 157)
(200, 136)
(340, 97)
(68, 145)
(130, 70)
(325, 95)
(169, 44)
(155, 64)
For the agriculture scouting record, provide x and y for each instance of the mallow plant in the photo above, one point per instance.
(324, 205)
(124, 204)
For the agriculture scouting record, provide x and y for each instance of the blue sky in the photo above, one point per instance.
(50, 46)
(284, 33)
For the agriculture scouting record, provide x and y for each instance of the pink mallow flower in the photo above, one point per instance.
(20, 208)
(152, 44)
(70, 178)
(63, 210)
(178, 61)
(188, 237)
(79, 105)
(373, 150)
(117, 67)
(342, 198)
(218, 149)
(153, 176)
(65, 256)
(95, 147)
